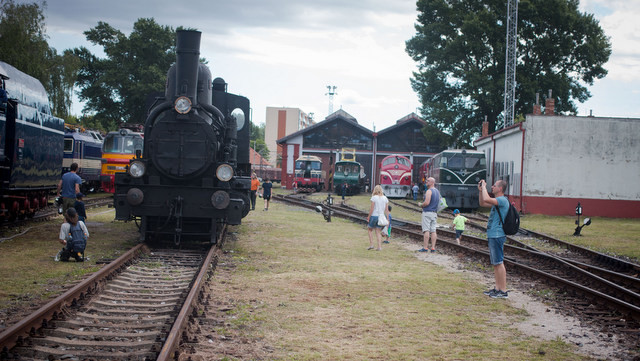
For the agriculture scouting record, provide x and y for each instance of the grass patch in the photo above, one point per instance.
(30, 275)
(616, 236)
(323, 296)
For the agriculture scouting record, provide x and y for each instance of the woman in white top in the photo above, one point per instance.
(379, 208)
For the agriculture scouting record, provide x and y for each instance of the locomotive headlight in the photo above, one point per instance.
(224, 172)
(182, 105)
(137, 169)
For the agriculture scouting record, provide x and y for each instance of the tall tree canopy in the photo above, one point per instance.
(23, 44)
(115, 88)
(460, 50)
(257, 140)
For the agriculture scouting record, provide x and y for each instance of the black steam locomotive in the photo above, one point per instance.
(195, 173)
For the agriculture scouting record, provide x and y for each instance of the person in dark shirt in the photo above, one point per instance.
(69, 186)
(266, 193)
(79, 206)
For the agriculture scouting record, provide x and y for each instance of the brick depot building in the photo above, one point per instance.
(341, 130)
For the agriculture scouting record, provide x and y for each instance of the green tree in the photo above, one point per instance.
(116, 88)
(257, 140)
(460, 50)
(23, 44)
(63, 72)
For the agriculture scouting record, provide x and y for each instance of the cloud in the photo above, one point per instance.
(619, 22)
(285, 53)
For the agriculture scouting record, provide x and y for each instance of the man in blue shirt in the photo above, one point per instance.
(69, 186)
(495, 234)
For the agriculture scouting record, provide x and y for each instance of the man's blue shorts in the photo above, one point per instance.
(496, 250)
(459, 233)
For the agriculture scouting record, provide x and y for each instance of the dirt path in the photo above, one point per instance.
(544, 321)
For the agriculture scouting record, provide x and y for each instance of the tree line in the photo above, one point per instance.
(459, 47)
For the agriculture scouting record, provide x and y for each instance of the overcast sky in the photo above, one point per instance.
(286, 52)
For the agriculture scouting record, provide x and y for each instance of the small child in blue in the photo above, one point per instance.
(386, 231)
(79, 206)
(458, 223)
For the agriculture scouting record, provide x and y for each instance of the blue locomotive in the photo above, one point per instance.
(195, 173)
(31, 141)
(85, 148)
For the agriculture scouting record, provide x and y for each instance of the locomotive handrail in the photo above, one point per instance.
(214, 111)
(154, 113)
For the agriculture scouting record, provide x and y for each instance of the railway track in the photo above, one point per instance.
(614, 269)
(600, 289)
(52, 211)
(134, 308)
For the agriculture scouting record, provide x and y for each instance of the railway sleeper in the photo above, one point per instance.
(50, 353)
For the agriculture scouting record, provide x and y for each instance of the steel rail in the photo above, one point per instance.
(620, 304)
(15, 334)
(615, 262)
(170, 346)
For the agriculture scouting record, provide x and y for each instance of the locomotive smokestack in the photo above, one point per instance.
(187, 60)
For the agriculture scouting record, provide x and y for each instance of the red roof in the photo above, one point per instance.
(256, 159)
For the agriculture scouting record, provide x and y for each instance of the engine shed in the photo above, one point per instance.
(551, 162)
(340, 130)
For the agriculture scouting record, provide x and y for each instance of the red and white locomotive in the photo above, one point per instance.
(395, 176)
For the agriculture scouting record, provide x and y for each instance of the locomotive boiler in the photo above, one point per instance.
(194, 176)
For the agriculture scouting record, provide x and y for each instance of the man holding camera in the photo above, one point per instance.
(495, 234)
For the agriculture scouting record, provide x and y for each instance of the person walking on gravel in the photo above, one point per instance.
(266, 193)
(430, 215)
(495, 234)
(458, 224)
(255, 185)
(379, 208)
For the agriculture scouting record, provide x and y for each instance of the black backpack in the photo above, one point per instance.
(78, 238)
(511, 222)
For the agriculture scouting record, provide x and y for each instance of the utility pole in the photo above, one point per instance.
(510, 62)
(331, 92)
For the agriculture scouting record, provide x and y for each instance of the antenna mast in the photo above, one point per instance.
(331, 92)
(510, 62)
